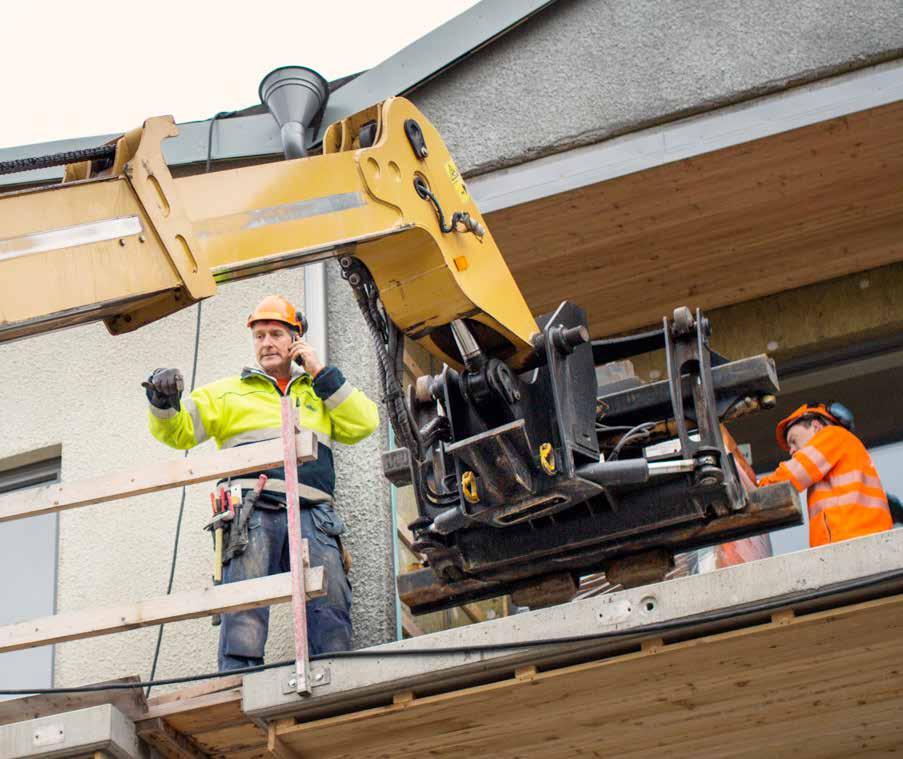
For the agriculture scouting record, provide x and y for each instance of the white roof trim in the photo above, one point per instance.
(705, 133)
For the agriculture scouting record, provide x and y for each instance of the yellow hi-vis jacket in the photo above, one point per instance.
(247, 409)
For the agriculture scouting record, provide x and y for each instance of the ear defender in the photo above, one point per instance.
(302, 320)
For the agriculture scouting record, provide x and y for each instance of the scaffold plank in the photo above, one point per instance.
(248, 594)
(163, 475)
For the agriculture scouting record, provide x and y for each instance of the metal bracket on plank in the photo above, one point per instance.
(318, 676)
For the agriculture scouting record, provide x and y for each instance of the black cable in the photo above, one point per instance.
(194, 369)
(654, 627)
(175, 545)
(632, 433)
(458, 217)
(220, 115)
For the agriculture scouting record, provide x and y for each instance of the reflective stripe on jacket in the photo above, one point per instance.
(845, 495)
(247, 409)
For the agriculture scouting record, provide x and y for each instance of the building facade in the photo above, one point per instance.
(741, 157)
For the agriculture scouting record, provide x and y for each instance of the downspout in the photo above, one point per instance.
(296, 96)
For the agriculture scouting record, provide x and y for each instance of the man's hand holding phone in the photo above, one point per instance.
(304, 355)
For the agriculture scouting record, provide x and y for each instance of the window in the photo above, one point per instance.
(28, 562)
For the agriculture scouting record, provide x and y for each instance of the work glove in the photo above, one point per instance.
(164, 388)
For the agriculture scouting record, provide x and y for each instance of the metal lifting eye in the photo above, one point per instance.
(415, 137)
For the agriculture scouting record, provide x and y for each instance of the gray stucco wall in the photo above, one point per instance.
(586, 70)
(362, 492)
(80, 388)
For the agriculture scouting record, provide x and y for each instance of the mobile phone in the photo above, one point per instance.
(299, 360)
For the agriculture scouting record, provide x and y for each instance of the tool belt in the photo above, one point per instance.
(236, 542)
(233, 516)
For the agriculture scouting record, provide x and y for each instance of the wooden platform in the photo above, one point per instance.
(825, 684)
(800, 654)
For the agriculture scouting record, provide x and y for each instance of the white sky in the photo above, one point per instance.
(75, 69)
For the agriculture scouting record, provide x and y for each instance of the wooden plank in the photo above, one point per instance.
(130, 702)
(202, 713)
(233, 739)
(150, 479)
(193, 691)
(276, 748)
(248, 594)
(474, 612)
(408, 624)
(416, 360)
(406, 538)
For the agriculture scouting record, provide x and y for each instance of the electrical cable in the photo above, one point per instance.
(220, 115)
(628, 436)
(194, 369)
(175, 545)
(761, 607)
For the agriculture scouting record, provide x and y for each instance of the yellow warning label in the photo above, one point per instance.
(456, 179)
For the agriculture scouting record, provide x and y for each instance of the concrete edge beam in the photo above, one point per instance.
(344, 683)
(97, 728)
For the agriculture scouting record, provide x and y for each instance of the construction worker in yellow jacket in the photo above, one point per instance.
(845, 496)
(245, 409)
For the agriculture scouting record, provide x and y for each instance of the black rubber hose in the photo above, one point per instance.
(33, 163)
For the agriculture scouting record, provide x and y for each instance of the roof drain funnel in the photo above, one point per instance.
(295, 96)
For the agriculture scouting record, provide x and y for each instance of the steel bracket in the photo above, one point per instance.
(318, 676)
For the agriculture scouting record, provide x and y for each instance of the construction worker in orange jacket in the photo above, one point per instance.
(845, 496)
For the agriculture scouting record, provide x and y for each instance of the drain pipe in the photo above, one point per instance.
(296, 96)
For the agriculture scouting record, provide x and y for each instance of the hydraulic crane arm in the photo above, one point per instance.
(522, 473)
(131, 244)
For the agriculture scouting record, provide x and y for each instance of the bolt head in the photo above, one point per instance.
(292, 683)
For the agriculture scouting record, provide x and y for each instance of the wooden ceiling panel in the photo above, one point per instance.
(728, 226)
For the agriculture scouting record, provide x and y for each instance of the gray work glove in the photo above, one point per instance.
(164, 388)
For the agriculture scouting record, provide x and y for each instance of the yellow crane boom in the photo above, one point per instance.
(132, 244)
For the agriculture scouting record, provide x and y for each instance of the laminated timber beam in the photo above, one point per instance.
(734, 594)
(748, 692)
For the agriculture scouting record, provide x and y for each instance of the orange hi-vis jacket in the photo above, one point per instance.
(845, 496)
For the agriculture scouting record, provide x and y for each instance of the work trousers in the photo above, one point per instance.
(243, 634)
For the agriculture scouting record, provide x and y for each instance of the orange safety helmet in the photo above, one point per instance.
(278, 309)
(832, 412)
